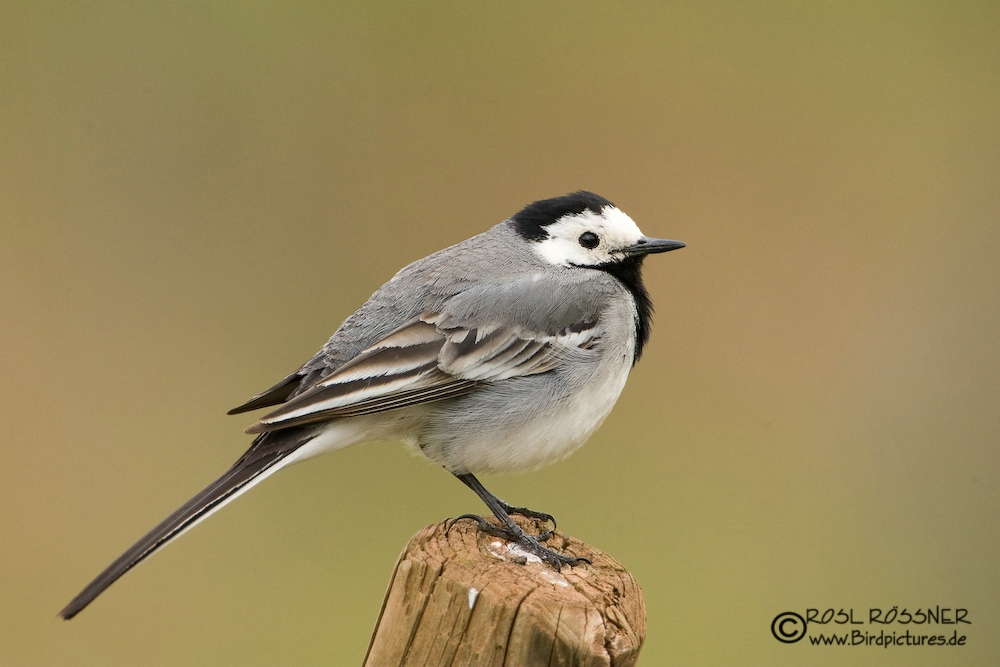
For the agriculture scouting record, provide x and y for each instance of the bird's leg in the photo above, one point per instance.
(510, 530)
(469, 480)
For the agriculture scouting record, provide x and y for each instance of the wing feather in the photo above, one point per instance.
(279, 393)
(421, 362)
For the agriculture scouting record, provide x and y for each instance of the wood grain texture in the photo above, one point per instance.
(462, 597)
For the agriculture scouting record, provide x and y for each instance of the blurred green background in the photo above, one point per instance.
(194, 195)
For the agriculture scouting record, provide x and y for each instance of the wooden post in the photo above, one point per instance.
(463, 597)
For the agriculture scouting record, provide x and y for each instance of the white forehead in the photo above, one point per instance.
(614, 228)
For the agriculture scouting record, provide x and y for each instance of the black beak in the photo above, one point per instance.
(647, 246)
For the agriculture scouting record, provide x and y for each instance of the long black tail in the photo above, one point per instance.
(252, 467)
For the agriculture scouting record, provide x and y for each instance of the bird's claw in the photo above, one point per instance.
(531, 514)
(550, 556)
(528, 543)
(485, 526)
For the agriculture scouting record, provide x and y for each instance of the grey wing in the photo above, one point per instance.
(445, 354)
(397, 371)
(537, 304)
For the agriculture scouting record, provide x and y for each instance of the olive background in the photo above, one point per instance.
(193, 195)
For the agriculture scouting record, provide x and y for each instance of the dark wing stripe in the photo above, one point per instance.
(326, 393)
(533, 357)
(413, 334)
(385, 361)
(477, 362)
(476, 352)
(516, 347)
(279, 393)
(539, 357)
(412, 397)
(325, 401)
(419, 363)
(479, 341)
(392, 401)
(529, 351)
(216, 493)
(399, 363)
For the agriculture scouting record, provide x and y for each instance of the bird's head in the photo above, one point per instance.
(585, 230)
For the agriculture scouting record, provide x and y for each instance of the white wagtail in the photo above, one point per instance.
(503, 352)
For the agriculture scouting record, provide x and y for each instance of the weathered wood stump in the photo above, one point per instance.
(462, 597)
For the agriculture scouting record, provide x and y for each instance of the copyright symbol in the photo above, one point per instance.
(788, 627)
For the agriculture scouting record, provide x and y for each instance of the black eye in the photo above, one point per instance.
(589, 240)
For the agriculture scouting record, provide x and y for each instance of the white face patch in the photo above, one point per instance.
(614, 230)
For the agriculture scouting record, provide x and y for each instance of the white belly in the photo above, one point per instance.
(524, 431)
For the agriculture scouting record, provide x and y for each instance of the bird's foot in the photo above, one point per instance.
(529, 543)
(531, 514)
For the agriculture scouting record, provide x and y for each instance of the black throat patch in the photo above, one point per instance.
(629, 273)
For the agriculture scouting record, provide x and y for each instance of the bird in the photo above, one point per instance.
(501, 353)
